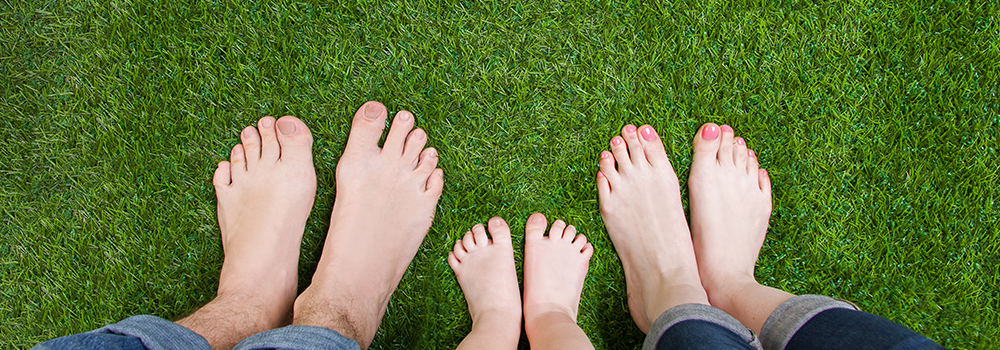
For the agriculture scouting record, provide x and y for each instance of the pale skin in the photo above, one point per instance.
(385, 203)
(666, 263)
(555, 267)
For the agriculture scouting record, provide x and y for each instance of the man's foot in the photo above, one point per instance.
(485, 270)
(555, 267)
(641, 207)
(730, 210)
(265, 193)
(385, 204)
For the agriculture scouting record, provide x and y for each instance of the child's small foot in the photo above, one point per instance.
(485, 270)
(555, 267)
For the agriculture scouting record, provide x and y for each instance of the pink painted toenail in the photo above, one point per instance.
(750, 152)
(740, 141)
(630, 128)
(647, 133)
(605, 154)
(727, 128)
(616, 141)
(710, 133)
(600, 174)
(266, 122)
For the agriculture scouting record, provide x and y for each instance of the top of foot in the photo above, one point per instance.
(386, 197)
(641, 207)
(266, 191)
(555, 267)
(730, 206)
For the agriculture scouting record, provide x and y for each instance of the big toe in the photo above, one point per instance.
(535, 227)
(366, 130)
(295, 139)
(707, 142)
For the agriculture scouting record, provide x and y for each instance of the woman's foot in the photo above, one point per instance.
(730, 210)
(641, 207)
(555, 267)
(485, 270)
(266, 191)
(385, 204)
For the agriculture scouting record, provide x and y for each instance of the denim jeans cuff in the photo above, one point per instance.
(791, 315)
(156, 333)
(299, 338)
(687, 312)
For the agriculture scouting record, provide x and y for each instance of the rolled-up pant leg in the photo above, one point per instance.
(147, 332)
(697, 326)
(819, 322)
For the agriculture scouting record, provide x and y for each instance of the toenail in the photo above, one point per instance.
(740, 141)
(494, 222)
(372, 111)
(605, 154)
(750, 152)
(647, 133)
(266, 122)
(727, 128)
(616, 141)
(404, 116)
(710, 132)
(600, 174)
(286, 127)
(247, 132)
(630, 128)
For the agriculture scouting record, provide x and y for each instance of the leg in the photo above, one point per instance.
(730, 209)
(265, 194)
(485, 270)
(641, 206)
(555, 267)
(385, 204)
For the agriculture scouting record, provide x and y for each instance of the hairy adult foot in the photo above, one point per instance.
(265, 192)
(730, 210)
(485, 270)
(641, 207)
(555, 267)
(385, 204)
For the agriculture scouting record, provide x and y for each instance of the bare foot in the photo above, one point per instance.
(485, 270)
(555, 267)
(385, 204)
(265, 193)
(641, 207)
(730, 210)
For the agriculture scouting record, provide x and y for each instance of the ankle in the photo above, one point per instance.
(537, 321)
(722, 292)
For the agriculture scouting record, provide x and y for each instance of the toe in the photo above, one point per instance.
(588, 250)
(459, 250)
(428, 161)
(620, 150)
(237, 162)
(706, 143)
(453, 261)
(580, 241)
(415, 143)
(469, 242)
(569, 233)
(500, 232)
(366, 129)
(435, 183)
(251, 146)
(635, 151)
(222, 177)
(535, 227)
(603, 186)
(740, 153)
(556, 232)
(402, 123)
(764, 180)
(726, 146)
(653, 146)
(607, 164)
(295, 139)
(752, 165)
(269, 150)
(479, 233)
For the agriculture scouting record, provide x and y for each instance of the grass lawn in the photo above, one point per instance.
(878, 122)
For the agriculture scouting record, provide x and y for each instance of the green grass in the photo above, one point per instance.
(878, 122)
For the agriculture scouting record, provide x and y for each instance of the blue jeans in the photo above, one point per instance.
(803, 322)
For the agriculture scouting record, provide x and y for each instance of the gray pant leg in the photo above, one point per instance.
(686, 312)
(153, 332)
(791, 315)
(298, 338)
